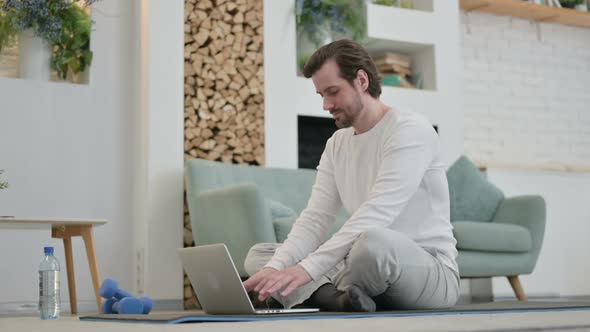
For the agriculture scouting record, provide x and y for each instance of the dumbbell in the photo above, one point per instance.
(109, 290)
(126, 306)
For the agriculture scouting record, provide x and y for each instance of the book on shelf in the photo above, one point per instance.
(397, 80)
(394, 68)
(393, 58)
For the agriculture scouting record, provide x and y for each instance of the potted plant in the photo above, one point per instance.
(63, 24)
(570, 3)
(321, 21)
(395, 3)
(8, 31)
(71, 51)
(3, 184)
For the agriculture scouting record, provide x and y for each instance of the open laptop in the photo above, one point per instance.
(217, 283)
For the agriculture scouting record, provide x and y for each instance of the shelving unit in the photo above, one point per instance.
(384, 35)
(529, 11)
(429, 34)
(412, 32)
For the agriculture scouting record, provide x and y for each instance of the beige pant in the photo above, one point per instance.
(386, 264)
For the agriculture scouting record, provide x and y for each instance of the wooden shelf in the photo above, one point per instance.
(529, 11)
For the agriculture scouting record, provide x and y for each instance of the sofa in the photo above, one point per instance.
(242, 205)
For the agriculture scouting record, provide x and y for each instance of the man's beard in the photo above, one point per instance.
(347, 118)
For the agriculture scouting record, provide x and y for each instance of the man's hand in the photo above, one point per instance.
(259, 277)
(268, 280)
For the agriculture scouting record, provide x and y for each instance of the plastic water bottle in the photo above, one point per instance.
(49, 301)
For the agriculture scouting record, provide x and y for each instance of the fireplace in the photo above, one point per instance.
(312, 134)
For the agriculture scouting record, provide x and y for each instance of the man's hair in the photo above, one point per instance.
(350, 58)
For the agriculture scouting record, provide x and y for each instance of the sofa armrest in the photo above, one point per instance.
(236, 215)
(526, 211)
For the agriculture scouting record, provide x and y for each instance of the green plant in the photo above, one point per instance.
(346, 17)
(7, 31)
(3, 184)
(395, 3)
(385, 2)
(71, 51)
(571, 3)
(65, 24)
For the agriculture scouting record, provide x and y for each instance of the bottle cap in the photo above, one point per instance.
(48, 250)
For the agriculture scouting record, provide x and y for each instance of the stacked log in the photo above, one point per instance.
(223, 87)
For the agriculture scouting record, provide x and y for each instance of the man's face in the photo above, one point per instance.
(341, 99)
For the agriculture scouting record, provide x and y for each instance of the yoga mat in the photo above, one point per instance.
(480, 308)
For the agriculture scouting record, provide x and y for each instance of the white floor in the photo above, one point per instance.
(538, 321)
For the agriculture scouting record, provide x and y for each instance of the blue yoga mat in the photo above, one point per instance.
(481, 308)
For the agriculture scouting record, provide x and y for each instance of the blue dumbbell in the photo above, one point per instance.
(126, 306)
(147, 303)
(109, 290)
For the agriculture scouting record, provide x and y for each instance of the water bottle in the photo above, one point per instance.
(49, 286)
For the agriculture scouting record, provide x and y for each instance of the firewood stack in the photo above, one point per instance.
(223, 88)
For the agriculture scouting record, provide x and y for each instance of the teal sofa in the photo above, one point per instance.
(243, 205)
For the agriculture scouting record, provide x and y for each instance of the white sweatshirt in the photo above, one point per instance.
(390, 176)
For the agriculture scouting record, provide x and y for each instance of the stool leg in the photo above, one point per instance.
(70, 273)
(90, 252)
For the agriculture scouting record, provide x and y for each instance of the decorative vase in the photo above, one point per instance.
(34, 57)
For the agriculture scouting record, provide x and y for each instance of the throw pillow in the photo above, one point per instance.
(472, 196)
(279, 210)
(282, 227)
(282, 218)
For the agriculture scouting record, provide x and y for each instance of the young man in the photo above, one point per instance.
(397, 250)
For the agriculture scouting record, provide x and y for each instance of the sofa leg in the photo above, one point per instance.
(517, 288)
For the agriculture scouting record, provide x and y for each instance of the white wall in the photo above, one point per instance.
(527, 108)
(67, 151)
(526, 93)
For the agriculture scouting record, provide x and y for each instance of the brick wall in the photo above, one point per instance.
(527, 95)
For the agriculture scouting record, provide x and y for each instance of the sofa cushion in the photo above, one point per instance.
(282, 218)
(240, 217)
(472, 196)
(280, 210)
(492, 236)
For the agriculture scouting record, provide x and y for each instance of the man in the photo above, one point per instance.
(397, 250)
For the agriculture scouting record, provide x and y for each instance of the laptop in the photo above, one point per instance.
(217, 283)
